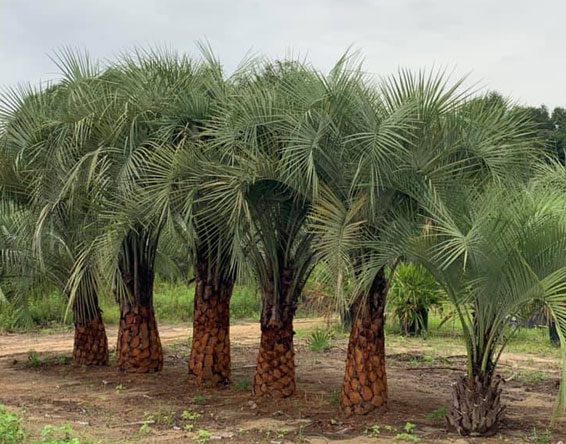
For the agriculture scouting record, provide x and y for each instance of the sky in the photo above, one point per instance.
(513, 46)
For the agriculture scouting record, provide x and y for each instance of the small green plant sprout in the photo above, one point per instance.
(437, 415)
(320, 340)
(59, 435)
(63, 360)
(243, 385)
(120, 388)
(373, 431)
(409, 433)
(203, 436)
(144, 428)
(34, 360)
(540, 437)
(11, 431)
(189, 415)
(199, 400)
(335, 397)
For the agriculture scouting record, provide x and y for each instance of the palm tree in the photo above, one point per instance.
(169, 186)
(54, 190)
(261, 205)
(497, 253)
(407, 133)
(148, 114)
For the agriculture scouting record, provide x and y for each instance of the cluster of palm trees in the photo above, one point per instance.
(117, 170)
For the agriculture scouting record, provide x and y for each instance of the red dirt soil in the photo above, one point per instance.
(106, 406)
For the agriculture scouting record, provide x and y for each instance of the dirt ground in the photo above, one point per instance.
(105, 406)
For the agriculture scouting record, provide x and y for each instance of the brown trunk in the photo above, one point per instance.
(139, 348)
(275, 370)
(365, 382)
(91, 343)
(476, 406)
(210, 353)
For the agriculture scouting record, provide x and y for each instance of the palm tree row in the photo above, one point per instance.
(265, 174)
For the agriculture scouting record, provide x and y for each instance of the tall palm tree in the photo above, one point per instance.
(498, 254)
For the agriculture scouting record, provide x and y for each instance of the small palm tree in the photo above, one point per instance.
(498, 254)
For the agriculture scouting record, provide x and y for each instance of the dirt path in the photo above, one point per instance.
(14, 344)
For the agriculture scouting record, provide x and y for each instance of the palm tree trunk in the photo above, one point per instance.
(365, 382)
(476, 406)
(275, 369)
(139, 347)
(91, 344)
(210, 353)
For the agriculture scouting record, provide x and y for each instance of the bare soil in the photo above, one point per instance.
(103, 405)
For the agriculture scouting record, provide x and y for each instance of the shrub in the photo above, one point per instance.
(413, 293)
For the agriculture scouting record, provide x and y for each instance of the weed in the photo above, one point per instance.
(203, 436)
(437, 415)
(373, 431)
(543, 437)
(320, 340)
(63, 360)
(59, 435)
(144, 428)
(532, 377)
(120, 388)
(199, 400)
(11, 431)
(243, 385)
(34, 360)
(335, 397)
(409, 433)
(189, 415)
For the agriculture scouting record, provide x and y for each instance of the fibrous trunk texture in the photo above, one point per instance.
(275, 370)
(476, 406)
(365, 382)
(139, 347)
(91, 343)
(210, 354)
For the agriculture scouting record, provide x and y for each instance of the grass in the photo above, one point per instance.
(174, 304)
(11, 431)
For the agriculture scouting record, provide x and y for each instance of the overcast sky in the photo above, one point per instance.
(514, 46)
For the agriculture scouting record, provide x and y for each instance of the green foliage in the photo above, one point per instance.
(243, 385)
(11, 431)
(189, 415)
(59, 435)
(409, 433)
(34, 360)
(199, 400)
(438, 415)
(173, 303)
(540, 437)
(203, 436)
(320, 340)
(413, 293)
(373, 431)
(335, 397)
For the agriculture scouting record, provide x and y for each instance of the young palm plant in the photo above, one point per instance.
(498, 254)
